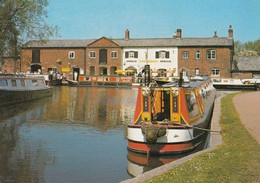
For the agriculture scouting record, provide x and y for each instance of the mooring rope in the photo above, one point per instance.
(197, 128)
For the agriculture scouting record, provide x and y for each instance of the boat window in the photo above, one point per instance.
(41, 82)
(23, 83)
(13, 82)
(34, 82)
(3, 82)
(192, 105)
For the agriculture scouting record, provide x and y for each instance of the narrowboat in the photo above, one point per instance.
(21, 88)
(233, 84)
(171, 118)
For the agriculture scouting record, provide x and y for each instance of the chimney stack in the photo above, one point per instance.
(215, 34)
(177, 34)
(127, 34)
(230, 32)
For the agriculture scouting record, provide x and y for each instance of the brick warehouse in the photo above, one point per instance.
(211, 56)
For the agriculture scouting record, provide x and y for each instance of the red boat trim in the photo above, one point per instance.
(169, 148)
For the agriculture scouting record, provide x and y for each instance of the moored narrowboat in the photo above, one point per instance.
(171, 119)
(20, 88)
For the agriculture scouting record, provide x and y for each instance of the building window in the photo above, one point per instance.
(197, 55)
(71, 55)
(36, 56)
(113, 54)
(185, 54)
(162, 54)
(211, 54)
(197, 71)
(215, 72)
(92, 54)
(131, 54)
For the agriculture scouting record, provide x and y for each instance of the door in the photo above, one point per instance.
(75, 73)
(103, 57)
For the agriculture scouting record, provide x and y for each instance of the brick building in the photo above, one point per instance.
(103, 57)
(206, 56)
(245, 67)
(194, 56)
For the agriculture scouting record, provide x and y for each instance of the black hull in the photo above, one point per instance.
(12, 97)
(235, 87)
(56, 82)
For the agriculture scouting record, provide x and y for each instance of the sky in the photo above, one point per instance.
(93, 19)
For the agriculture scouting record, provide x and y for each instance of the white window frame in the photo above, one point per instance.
(113, 54)
(197, 55)
(215, 72)
(71, 55)
(185, 55)
(162, 54)
(211, 54)
(92, 54)
(131, 54)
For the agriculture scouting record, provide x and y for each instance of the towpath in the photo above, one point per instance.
(248, 108)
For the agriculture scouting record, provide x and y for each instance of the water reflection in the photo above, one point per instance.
(78, 135)
(104, 108)
(20, 161)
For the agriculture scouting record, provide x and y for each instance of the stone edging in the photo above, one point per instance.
(215, 141)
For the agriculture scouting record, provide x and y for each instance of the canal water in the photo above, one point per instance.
(77, 135)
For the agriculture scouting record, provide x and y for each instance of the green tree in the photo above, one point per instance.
(257, 46)
(250, 48)
(20, 21)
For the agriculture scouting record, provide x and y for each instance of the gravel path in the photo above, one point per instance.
(248, 107)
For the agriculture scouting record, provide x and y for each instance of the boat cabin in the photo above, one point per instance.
(14, 83)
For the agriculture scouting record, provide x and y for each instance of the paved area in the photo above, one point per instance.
(248, 108)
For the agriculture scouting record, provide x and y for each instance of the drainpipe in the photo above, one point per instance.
(84, 60)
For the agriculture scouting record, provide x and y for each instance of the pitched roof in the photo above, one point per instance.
(152, 42)
(246, 63)
(175, 42)
(59, 43)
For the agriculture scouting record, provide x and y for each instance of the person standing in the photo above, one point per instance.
(75, 76)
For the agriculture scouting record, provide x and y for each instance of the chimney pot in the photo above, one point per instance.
(127, 34)
(215, 34)
(230, 32)
(177, 34)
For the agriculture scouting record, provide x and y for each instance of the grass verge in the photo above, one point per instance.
(236, 160)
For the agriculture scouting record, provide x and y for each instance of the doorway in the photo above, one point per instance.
(75, 73)
(36, 68)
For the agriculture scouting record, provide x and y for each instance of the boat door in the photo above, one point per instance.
(164, 112)
(75, 73)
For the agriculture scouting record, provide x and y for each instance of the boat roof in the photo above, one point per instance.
(195, 82)
(17, 76)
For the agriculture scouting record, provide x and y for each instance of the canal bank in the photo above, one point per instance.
(216, 140)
